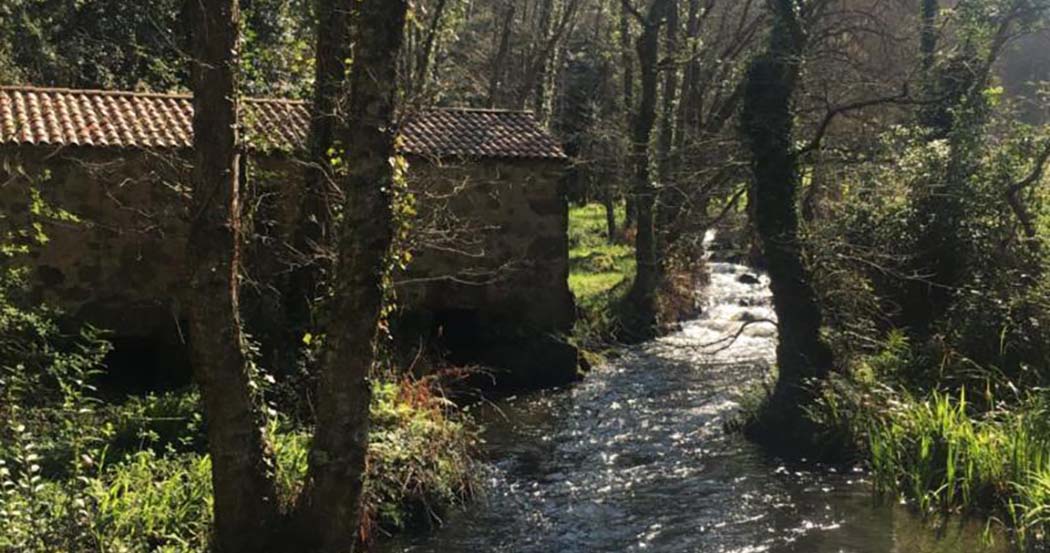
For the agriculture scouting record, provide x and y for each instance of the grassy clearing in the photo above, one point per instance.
(598, 272)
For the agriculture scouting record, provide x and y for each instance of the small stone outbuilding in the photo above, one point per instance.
(108, 173)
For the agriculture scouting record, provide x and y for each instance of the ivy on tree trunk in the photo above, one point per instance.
(767, 119)
(244, 490)
(330, 506)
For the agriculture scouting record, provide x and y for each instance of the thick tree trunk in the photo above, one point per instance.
(647, 276)
(245, 496)
(768, 127)
(331, 502)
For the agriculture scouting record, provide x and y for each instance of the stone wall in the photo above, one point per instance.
(493, 244)
(116, 260)
(494, 240)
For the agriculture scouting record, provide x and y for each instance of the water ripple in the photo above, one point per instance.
(636, 459)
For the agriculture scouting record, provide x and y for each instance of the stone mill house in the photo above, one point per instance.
(108, 173)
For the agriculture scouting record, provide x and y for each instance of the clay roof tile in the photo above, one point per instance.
(52, 116)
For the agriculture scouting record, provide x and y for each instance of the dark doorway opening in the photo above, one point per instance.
(139, 365)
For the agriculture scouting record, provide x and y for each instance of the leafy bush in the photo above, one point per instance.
(944, 454)
(420, 458)
(947, 459)
(48, 442)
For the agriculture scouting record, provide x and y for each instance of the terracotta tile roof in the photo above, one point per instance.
(477, 133)
(110, 119)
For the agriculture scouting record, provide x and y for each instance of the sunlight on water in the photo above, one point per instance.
(636, 459)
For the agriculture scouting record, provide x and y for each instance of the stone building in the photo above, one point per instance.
(108, 175)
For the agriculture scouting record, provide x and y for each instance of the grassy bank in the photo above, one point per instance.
(599, 273)
(946, 452)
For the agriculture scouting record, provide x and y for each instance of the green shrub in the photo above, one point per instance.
(943, 455)
(420, 457)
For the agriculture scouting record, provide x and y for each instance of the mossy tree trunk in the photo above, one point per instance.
(643, 294)
(330, 506)
(244, 491)
(767, 120)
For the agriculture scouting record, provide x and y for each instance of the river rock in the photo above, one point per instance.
(748, 278)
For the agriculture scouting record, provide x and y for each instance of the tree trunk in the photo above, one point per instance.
(627, 56)
(688, 118)
(245, 495)
(331, 501)
(426, 56)
(536, 77)
(499, 62)
(767, 120)
(670, 196)
(609, 203)
(313, 234)
(642, 296)
(928, 38)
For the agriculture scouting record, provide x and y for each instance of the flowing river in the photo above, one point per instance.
(636, 458)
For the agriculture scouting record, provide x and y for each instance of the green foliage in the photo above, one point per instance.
(116, 44)
(168, 423)
(944, 457)
(420, 457)
(277, 55)
(969, 292)
(47, 407)
(145, 482)
(943, 452)
(151, 502)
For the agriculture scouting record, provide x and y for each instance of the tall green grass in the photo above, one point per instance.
(945, 456)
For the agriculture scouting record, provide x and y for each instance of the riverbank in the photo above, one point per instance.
(79, 474)
(962, 453)
(601, 271)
